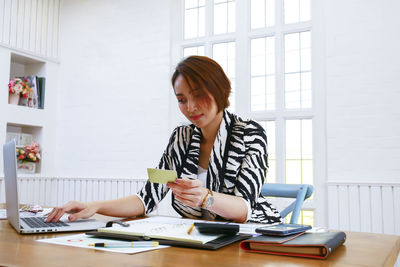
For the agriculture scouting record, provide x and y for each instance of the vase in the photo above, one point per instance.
(26, 167)
(13, 99)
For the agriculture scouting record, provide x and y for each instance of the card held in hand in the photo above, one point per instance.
(161, 176)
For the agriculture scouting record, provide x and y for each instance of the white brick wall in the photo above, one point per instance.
(113, 87)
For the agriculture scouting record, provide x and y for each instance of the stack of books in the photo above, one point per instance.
(317, 245)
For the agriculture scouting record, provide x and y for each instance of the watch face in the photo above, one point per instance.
(209, 201)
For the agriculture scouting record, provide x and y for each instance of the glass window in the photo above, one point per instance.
(297, 11)
(224, 16)
(298, 70)
(262, 13)
(299, 155)
(263, 74)
(272, 80)
(306, 217)
(194, 50)
(194, 25)
(224, 54)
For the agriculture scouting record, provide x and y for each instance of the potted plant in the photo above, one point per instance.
(18, 88)
(27, 157)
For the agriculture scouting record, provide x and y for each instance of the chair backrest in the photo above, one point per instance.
(298, 191)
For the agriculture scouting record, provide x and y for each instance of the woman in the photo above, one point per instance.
(221, 159)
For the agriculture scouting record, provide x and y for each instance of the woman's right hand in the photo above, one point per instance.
(76, 208)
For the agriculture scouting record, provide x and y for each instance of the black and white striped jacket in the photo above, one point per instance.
(237, 167)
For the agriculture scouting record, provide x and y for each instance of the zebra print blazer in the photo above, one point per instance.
(237, 166)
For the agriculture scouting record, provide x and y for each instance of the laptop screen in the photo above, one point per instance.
(11, 186)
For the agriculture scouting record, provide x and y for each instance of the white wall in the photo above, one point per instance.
(363, 90)
(113, 87)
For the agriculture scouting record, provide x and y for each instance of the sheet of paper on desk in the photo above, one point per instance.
(83, 241)
(161, 176)
(159, 227)
(245, 228)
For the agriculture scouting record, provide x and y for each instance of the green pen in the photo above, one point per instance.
(136, 244)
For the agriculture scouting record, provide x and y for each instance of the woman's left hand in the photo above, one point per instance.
(188, 191)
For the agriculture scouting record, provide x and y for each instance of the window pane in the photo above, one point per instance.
(297, 11)
(224, 16)
(258, 93)
(263, 73)
(224, 54)
(231, 17)
(307, 169)
(291, 10)
(293, 139)
(191, 4)
(270, 13)
(270, 92)
(306, 217)
(220, 18)
(190, 23)
(292, 90)
(306, 90)
(194, 25)
(257, 14)
(195, 50)
(305, 10)
(299, 156)
(262, 13)
(202, 22)
(306, 139)
(293, 171)
(297, 67)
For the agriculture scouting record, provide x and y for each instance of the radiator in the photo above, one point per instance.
(366, 207)
(58, 191)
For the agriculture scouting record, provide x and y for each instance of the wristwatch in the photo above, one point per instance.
(208, 200)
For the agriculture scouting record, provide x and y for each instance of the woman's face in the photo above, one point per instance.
(198, 105)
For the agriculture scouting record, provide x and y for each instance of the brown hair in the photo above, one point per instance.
(205, 72)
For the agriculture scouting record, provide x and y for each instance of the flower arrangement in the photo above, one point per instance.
(19, 87)
(29, 153)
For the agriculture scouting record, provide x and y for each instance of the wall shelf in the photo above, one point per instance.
(24, 120)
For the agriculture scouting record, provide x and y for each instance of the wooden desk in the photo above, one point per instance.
(22, 250)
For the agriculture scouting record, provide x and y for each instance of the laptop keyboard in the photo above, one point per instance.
(38, 222)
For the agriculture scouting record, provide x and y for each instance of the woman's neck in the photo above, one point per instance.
(210, 131)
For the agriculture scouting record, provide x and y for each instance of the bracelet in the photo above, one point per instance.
(205, 197)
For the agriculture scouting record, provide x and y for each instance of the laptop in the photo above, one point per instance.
(33, 224)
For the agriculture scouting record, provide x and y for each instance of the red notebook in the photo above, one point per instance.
(309, 245)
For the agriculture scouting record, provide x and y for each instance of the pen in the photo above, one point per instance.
(136, 244)
(190, 229)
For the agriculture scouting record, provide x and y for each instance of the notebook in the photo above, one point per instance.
(33, 224)
(168, 231)
(308, 245)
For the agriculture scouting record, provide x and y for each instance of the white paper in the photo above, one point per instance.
(245, 228)
(162, 228)
(83, 241)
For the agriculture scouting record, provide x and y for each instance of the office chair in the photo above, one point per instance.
(298, 191)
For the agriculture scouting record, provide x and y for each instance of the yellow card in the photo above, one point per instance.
(161, 176)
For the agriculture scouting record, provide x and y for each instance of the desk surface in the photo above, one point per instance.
(22, 250)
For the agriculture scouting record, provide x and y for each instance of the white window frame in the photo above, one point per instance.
(243, 36)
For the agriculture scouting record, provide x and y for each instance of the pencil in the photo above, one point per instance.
(135, 244)
(190, 229)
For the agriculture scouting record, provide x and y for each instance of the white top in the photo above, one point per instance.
(202, 176)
